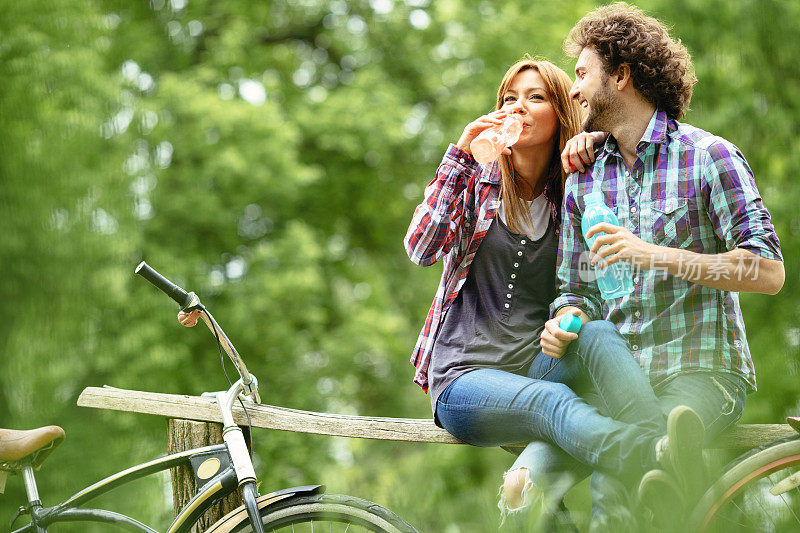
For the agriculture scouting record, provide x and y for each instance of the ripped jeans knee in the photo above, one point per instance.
(516, 489)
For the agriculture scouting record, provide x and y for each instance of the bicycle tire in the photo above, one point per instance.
(337, 512)
(740, 500)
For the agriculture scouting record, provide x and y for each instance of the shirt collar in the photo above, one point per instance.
(491, 174)
(657, 132)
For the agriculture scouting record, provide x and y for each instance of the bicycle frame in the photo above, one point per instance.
(218, 471)
(213, 470)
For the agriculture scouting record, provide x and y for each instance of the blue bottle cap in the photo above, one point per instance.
(571, 323)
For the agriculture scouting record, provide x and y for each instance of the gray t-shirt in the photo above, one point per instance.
(497, 317)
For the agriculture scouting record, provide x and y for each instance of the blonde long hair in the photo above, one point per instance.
(558, 84)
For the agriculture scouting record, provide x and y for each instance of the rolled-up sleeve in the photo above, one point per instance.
(573, 286)
(734, 204)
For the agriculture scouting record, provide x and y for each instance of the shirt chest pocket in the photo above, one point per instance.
(670, 222)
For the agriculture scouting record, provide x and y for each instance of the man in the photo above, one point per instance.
(691, 226)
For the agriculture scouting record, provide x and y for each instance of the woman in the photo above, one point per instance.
(479, 353)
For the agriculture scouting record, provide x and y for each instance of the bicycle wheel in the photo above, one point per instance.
(757, 492)
(329, 513)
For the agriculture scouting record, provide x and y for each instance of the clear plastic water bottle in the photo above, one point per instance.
(615, 280)
(491, 142)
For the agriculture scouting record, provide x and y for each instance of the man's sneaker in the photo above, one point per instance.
(660, 493)
(681, 452)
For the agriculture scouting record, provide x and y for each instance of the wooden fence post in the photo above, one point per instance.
(185, 435)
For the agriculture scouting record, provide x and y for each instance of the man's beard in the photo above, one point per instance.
(603, 110)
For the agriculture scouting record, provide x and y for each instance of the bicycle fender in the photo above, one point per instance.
(224, 524)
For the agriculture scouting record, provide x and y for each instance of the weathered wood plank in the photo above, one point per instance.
(266, 416)
(746, 436)
(397, 429)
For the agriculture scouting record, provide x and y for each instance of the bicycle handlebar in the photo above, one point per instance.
(163, 284)
(189, 301)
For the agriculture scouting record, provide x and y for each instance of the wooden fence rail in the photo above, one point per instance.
(194, 421)
(398, 429)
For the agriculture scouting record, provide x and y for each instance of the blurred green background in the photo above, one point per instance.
(268, 155)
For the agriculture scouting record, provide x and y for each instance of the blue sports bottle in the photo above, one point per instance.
(615, 280)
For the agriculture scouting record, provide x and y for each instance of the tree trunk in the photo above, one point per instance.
(185, 435)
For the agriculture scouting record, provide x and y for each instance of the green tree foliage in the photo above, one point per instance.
(268, 155)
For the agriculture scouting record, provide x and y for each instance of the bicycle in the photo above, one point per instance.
(219, 470)
(757, 491)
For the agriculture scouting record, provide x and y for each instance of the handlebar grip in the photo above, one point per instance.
(162, 283)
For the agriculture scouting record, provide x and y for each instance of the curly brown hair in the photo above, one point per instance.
(661, 68)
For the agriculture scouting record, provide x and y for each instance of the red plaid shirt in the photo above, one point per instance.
(460, 204)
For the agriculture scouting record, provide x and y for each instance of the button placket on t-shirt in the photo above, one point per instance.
(512, 282)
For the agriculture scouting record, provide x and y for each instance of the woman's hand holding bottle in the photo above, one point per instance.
(474, 128)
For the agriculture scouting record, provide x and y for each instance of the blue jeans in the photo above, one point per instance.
(488, 407)
(717, 397)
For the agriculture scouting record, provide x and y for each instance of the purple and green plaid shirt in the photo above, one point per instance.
(687, 189)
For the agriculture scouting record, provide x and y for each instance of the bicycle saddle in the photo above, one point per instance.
(19, 448)
(794, 422)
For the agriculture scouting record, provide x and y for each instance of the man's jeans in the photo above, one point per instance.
(717, 397)
(571, 437)
(488, 407)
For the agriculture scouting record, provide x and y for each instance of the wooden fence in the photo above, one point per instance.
(195, 421)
